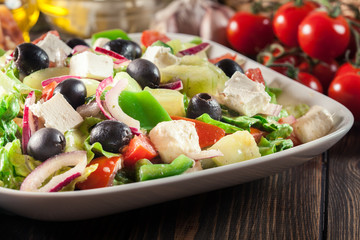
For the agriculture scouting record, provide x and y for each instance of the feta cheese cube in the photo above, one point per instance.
(160, 56)
(54, 47)
(173, 138)
(91, 65)
(57, 113)
(244, 95)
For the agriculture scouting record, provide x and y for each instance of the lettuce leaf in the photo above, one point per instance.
(9, 109)
(267, 147)
(14, 166)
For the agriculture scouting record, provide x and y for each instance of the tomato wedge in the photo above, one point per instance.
(139, 147)
(104, 175)
(48, 91)
(255, 75)
(148, 37)
(208, 134)
(225, 56)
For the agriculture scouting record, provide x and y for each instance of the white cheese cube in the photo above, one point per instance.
(91, 65)
(160, 56)
(244, 95)
(173, 138)
(316, 123)
(54, 47)
(57, 113)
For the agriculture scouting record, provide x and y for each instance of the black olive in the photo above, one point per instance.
(111, 134)
(73, 90)
(76, 41)
(129, 49)
(45, 143)
(229, 66)
(203, 103)
(144, 72)
(29, 58)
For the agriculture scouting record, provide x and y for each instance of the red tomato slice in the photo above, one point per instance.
(257, 134)
(48, 91)
(148, 37)
(139, 147)
(208, 134)
(104, 175)
(255, 75)
(225, 56)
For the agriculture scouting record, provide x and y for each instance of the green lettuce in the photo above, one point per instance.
(14, 166)
(267, 147)
(9, 109)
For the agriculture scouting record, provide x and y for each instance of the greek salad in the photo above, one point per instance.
(80, 115)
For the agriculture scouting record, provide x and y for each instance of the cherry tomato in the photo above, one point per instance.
(148, 37)
(325, 72)
(287, 59)
(347, 68)
(249, 33)
(323, 37)
(103, 176)
(346, 90)
(310, 81)
(287, 20)
(352, 43)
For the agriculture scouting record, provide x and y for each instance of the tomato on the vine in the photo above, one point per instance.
(347, 68)
(346, 90)
(325, 72)
(249, 33)
(310, 81)
(288, 18)
(322, 36)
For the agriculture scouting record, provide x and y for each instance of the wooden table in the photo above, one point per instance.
(317, 200)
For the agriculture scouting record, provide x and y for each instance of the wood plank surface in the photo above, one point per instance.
(343, 210)
(283, 206)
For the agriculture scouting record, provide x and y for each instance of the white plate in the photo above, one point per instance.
(99, 202)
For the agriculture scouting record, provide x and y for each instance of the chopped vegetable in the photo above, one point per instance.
(140, 147)
(208, 133)
(148, 171)
(104, 174)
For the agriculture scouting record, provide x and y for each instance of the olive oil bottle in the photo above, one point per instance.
(25, 13)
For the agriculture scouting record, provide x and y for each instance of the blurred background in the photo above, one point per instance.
(81, 18)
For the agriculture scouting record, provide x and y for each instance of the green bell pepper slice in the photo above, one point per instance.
(145, 170)
(110, 34)
(143, 107)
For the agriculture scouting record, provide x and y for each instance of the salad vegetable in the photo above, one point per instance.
(119, 112)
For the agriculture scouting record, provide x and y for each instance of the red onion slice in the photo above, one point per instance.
(194, 50)
(29, 123)
(35, 179)
(57, 79)
(289, 120)
(79, 49)
(272, 109)
(112, 104)
(111, 54)
(205, 154)
(176, 85)
(99, 90)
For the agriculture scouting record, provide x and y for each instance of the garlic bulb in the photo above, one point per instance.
(203, 18)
